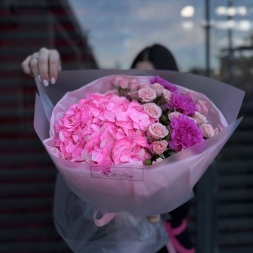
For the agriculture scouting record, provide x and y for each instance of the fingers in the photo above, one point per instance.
(54, 65)
(43, 67)
(34, 65)
(45, 64)
(154, 218)
(26, 65)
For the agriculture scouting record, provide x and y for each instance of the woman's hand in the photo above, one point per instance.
(46, 63)
(154, 218)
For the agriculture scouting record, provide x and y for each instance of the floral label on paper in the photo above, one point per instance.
(117, 173)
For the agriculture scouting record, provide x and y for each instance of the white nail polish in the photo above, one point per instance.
(45, 82)
(39, 78)
(52, 80)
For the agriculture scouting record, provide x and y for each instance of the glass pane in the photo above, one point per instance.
(232, 41)
(118, 30)
(232, 62)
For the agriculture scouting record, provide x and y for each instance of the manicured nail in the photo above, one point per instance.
(52, 80)
(39, 78)
(45, 82)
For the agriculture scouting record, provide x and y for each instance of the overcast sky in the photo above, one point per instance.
(118, 30)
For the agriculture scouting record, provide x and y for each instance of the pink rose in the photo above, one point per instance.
(157, 160)
(207, 130)
(216, 130)
(158, 131)
(153, 110)
(201, 107)
(134, 95)
(147, 94)
(144, 85)
(192, 94)
(112, 92)
(123, 84)
(167, 95)
(192, 119)
(158, 88)
(159, 146)
(133, 85)
(200, 119)
(119, 81)
(174, 115)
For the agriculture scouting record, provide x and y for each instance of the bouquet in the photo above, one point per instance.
(132, 142)
(138, 122)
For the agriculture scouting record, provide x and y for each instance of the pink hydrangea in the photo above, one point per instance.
(130, 149)
(182, 103)
(184, 133)
(167, 85)
(104, 129)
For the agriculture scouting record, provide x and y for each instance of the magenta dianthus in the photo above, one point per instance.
(184, 133)
(182, 103)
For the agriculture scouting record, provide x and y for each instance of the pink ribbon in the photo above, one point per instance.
(170, 247)
(104, 220)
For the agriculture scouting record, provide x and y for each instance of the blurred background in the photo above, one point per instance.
(207, 37)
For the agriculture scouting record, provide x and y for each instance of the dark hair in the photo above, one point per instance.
(159, 56)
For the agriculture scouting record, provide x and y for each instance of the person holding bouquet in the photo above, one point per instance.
(46, 64)
(164, 127)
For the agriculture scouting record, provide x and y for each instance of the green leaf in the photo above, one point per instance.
(148, 162)
(162, 156)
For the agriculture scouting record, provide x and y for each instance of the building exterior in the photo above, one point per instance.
(27, 176)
